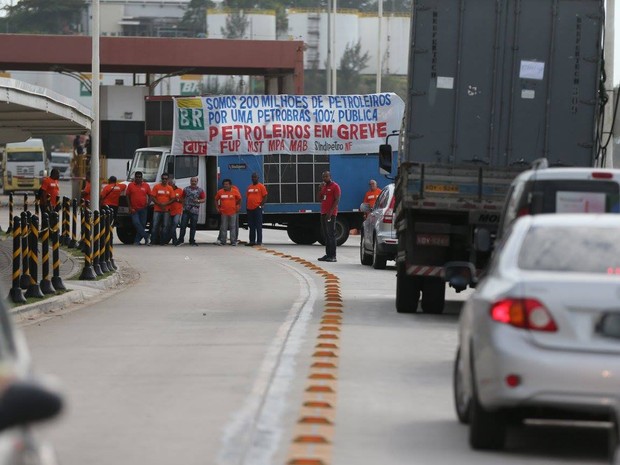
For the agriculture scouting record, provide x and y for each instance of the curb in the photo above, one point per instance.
(78, 292)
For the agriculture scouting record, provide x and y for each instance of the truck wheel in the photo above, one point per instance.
(126, 234)
(433, 295)
(342, 232)
(407, 290)
(365, 258)
(378, 260)
(301, 234)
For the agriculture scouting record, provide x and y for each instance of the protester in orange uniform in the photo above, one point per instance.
(138, 193)
(255, 201)
(86, 189)
(162, 195)
(228, 202)
(111, 193)
(373, 194)
(176, 210)
(50, 190)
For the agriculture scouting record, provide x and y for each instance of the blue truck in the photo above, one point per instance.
(289, 140)
(291, 180)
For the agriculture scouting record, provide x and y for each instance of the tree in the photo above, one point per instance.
(236, 25)
(45, 16)
(351, 66)
(195, 17)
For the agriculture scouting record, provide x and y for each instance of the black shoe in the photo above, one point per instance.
(179, 242)
(250, 244)
(323, 258)
(193, 243)
(331, 259)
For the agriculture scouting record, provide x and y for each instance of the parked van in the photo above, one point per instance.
(61, 161)
(24, 166)
(561, 190)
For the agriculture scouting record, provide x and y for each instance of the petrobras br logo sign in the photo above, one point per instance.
(190, 114)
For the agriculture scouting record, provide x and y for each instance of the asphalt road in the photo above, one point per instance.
(204, 360)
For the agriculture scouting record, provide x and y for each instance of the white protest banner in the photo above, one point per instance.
(294, 124)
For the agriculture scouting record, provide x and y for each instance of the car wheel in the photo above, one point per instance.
(407, 290)
(433, 295)
(378, 260)
(365, 258)
(342, 231)
(461, 399)
(487, 429)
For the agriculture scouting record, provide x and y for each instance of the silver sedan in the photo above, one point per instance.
(540, 336)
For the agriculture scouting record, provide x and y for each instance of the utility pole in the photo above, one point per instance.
(94, 133)
(380, 20)
(328, 64)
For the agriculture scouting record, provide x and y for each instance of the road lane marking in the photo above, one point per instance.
(253, 434)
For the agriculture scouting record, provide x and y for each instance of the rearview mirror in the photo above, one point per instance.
(482, 240)
(365, 208)
(459, 275)
(385, 158)
(27, 402)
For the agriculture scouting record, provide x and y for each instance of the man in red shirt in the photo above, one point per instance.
(49, 191)
(86, 190)
(162, 195)
(255, 201)
(138, 201)
(227, 201)
(111, 193)
(329, 196)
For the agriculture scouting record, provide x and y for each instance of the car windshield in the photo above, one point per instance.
(571, 249)
(61, 160)
(148, 162)
(24, 156)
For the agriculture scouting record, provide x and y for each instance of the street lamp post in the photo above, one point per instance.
(380, 19)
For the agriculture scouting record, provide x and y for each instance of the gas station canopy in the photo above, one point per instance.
(28, 111)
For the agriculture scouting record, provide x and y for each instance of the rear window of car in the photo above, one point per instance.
(572, 249)
(573, 196)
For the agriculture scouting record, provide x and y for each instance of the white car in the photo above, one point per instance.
(378, 241)
(540, 336)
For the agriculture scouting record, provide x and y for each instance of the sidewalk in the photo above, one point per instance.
(70, 269)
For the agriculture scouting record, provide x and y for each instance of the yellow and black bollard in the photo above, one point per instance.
(25, 202)
(103, 234)
(111, 242)
(10, 230)
(24, 280)
(96, 233)
(82, 226)
(88, 273)
(36, 204)
(46, 283)
(73, 242)
(66, 214)
(34, 290)
(56, 279)
(109, 239)
(16, 294)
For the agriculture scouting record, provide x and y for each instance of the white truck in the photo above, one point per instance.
(24, 166)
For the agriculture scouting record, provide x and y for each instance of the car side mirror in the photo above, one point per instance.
(385, 158)
(482, 240)
(365, 208)
(459, 275)
(27, 402)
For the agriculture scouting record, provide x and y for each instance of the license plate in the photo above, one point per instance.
(441, 240)
(441, 188)
(609, 325)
